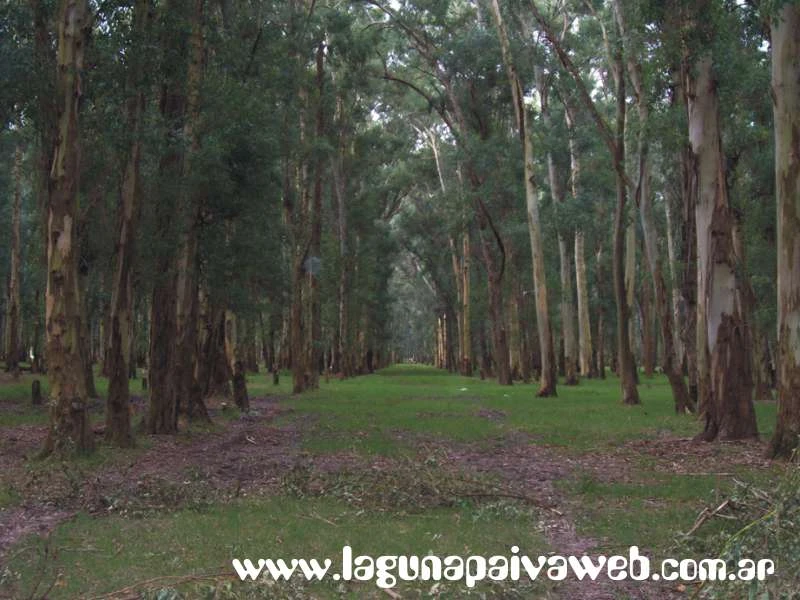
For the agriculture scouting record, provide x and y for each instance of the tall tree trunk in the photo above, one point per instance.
(13, 310)
(626, 365)
(677, 317)
(165, 366)
(724, 347)
(547, 384)
(86, 337)
(46, 122)
(526, 363)
(762, 369)
(649, 335)
(215, 370)
(585, 362)
(69, 418)
(466, 330)
(494, 275)
(118, 427)
(587, 365)
(567, 306)
(314, 341)
(670, 362)
(786, 108)
(188, 396)
(689, 298)
(515, 333)
(340, 190)
(630, 284)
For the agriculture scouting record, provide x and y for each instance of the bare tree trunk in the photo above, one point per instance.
(215, 369)
(515, 334)
(670, 362)
(240, 396)
(627, 367)
(499, 338)
(69, 418)
(171, 306)
(13, 309)
(297, 328)
(547, 384)
(601, 337)
(525, 350)
(567, 305)
(724, 364)
(340, 188)
(649, 335)
(314, 341)
(118, 360)
(689, 297)
(466, 332)
(47, 124)
(630, 283)
(586, 364)
(672, 256)
(762, 378)
(85, 338)
(118, 426)
(786, 108)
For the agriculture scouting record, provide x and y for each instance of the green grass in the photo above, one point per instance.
(390, 413)
(366, 413)
(647, 514)
(90, 556)
(8, 496)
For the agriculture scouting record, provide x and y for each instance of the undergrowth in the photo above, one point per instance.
(759, 523)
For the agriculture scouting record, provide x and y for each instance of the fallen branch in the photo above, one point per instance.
(705, 515)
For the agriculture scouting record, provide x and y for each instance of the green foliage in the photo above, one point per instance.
(763, 522)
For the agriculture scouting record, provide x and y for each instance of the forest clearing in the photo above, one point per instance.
(510, 280)
(410, 459)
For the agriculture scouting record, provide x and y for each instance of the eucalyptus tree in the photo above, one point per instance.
(785, 29)
(724, 370)
(170, 233)
(69, 419)
(13, 309)
(117, 363)
(615, 143)
(643, 92)
(548, 373)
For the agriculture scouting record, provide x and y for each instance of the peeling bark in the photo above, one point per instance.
(724, 369)
(69, 429)
(786, 108)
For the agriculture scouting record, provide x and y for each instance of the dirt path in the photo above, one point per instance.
(246, 456)
(251, 455)
(534, 470)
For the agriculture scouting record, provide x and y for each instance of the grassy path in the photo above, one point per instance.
(406, 461)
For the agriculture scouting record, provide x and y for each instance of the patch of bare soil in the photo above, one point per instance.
(674, 456)
(533, 470)
(244, 457)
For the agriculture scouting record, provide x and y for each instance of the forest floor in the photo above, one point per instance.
(407, 461)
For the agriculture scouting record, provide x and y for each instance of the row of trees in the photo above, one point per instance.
(662, 106)
(195, 186)
(173, 165)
